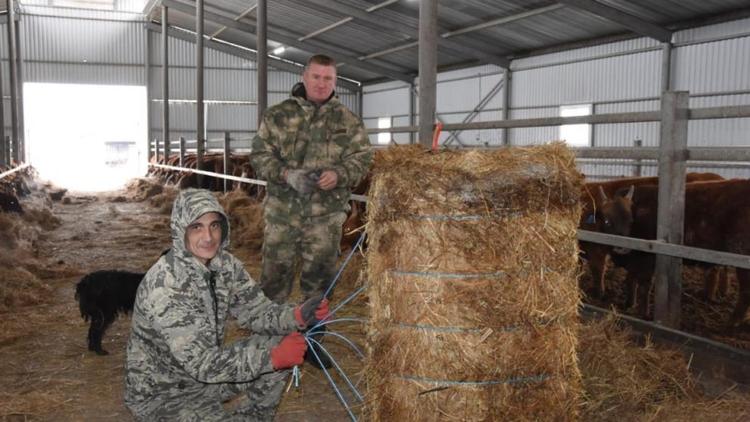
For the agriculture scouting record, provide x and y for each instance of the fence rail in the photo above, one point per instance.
(610, 118)
(672, 156)
(13, 170)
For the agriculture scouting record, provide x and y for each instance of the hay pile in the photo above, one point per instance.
(20, 269)
(473, 293)
(164, 200)
(628, 382)
(246, 219)
(141, 189)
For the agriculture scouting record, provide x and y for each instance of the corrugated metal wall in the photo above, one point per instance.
(710, 62)
(101, 47)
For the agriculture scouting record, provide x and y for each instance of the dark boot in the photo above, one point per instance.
(323, 356)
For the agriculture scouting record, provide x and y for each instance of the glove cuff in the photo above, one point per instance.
(298, 317)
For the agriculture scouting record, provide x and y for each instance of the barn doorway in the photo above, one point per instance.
(86, 137)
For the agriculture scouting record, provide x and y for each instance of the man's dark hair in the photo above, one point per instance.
(322, 60)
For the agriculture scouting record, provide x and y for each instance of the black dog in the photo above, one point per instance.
(102, 295)
(9, 203)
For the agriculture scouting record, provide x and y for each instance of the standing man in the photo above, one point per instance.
(311, 150)
(178, 367)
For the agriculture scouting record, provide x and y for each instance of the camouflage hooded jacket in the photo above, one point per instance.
(175, 349)
(297, 134)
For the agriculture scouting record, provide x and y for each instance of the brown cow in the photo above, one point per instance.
(594, 253)
(717, 217)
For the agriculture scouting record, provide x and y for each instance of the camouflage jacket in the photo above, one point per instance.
(176, 346)
(297, 134)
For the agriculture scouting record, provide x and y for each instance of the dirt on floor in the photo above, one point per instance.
(47, 373)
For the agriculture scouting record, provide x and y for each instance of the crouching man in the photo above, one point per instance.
(177, 365)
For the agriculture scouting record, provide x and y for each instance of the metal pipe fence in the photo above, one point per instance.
(671, 156)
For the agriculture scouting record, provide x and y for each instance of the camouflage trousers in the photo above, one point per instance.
(290, 239)
(232, 402)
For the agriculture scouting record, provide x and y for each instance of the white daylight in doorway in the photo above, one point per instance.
(86, 137)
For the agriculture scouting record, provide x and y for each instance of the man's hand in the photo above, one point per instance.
(290, 351)
(311, 311)
(328, 180)
(303, 181)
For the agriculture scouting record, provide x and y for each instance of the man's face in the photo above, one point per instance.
(203, 236)
(320, 81)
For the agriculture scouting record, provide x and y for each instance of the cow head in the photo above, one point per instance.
(615, 215)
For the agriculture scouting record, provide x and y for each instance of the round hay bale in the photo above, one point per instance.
(473, 285)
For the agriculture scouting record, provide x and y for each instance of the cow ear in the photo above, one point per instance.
(602, 195)
(629, 195)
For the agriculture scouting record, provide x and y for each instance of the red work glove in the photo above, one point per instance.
(311, 311)
(290, 351)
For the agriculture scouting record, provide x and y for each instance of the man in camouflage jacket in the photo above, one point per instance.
(177, 366)
(311, 150)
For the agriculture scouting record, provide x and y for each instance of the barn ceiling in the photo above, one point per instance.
(376, 40)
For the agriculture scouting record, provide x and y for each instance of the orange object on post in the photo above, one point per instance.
(436, 136)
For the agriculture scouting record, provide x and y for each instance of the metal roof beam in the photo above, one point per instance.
(633, 23)
(288, 38)
(236, 18)
(365, 15)
(243, 53)
(501, 21)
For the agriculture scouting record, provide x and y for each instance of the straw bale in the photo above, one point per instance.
(473, 285)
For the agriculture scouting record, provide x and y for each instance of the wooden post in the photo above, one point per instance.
(226, 158)
(671, 214)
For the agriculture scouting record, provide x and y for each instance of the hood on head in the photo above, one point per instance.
(189, 206)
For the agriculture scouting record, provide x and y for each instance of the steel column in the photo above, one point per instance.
(149, 93)
(13, 78)
(182, 151)
(227, 158)
(671, 211)
(200, 131)
(428, 14)
(638, 143)
(165, 80)
(19, 93)
(666, 67)
(504, 138)
(6, 148)
(412, 110)
(4, 155)
(262, 47)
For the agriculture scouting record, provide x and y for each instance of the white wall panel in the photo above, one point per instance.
(713, 67)
(620, 77)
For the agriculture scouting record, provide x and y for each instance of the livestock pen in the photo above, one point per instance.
(707, 357)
